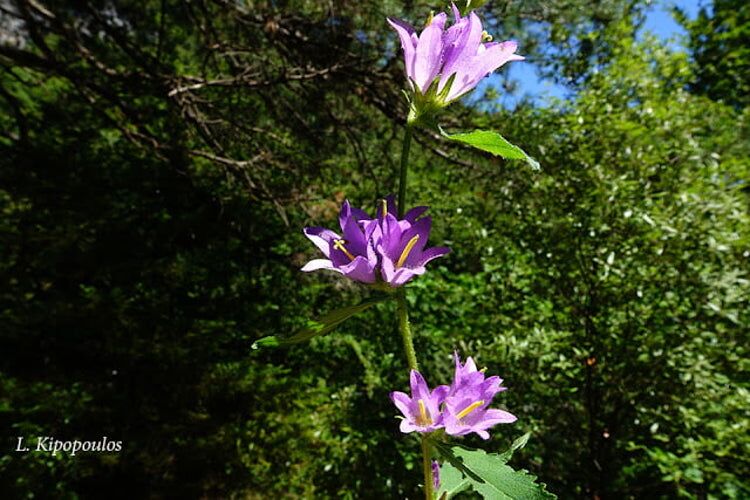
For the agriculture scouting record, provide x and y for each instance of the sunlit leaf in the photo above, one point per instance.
(489, 475)
(319, 326)
(494, 143)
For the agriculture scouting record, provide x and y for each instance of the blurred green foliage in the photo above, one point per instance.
(610, 290)
(719, 44)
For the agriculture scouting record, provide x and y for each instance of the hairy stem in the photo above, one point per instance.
(405, 329)
(427, 469)
(403, 312)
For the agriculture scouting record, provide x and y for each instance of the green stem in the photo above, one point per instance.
(405, 329)
(427, 469)
(403, 312)
(404, 170)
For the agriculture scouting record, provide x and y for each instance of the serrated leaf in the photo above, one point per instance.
(494, 143)
(452, 482)
(319, 326)
(491, 477)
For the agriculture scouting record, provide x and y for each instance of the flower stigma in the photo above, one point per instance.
(407, 251)
(424, 418)
(473, 406)
(339, 245)
(486, 37)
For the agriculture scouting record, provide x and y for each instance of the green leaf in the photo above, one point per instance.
(517, 445)
(319, 326)
(494, 143)
(490, 476)
(271, 341)
(452, 482)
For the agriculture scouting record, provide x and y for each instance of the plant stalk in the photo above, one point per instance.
(427, 469)
(405, 329)
(403, 312)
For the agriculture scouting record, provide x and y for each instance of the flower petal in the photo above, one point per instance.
(408, 43)
(456, 12)
(360, 215)
(402, 402)
(416, 258)
(387, 267)
(321, 237)
(433, 253)
(464, 47)
(413, 214)
(344, 214)
(360, 269)
(440, 393)
(404, 274)
(494, 417)
(354, 237)
(470, 70)
(454, 427)
(419, 388)
(497, 55)
(316, 264)
(392, 232)
(428, 58)
(407, 426)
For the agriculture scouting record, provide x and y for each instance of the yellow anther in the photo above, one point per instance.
(384, 207)
(407, 251)
(424, 418)
(473, 406)
(339, 245)
(483, 370)
(429, 19)
(486, 37)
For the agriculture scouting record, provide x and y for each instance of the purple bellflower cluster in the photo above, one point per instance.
(381, 249)
(443, 64)
(460, 409)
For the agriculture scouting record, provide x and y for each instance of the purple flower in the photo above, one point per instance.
(465, 417)
(383, 249)
(422, 410)
(466, 405)
(350, 254)
(401, 246)
(460, 409)
(435, 474)
(454, 59)
(466, 375)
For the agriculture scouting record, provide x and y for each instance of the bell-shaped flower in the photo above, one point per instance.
(388, 206)
(422, 410)
(464, 415)
(460, 409)
(402, 245)
(384, 249)
(467, 403)
(467, 377)
(351, 254)
(444, 64)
